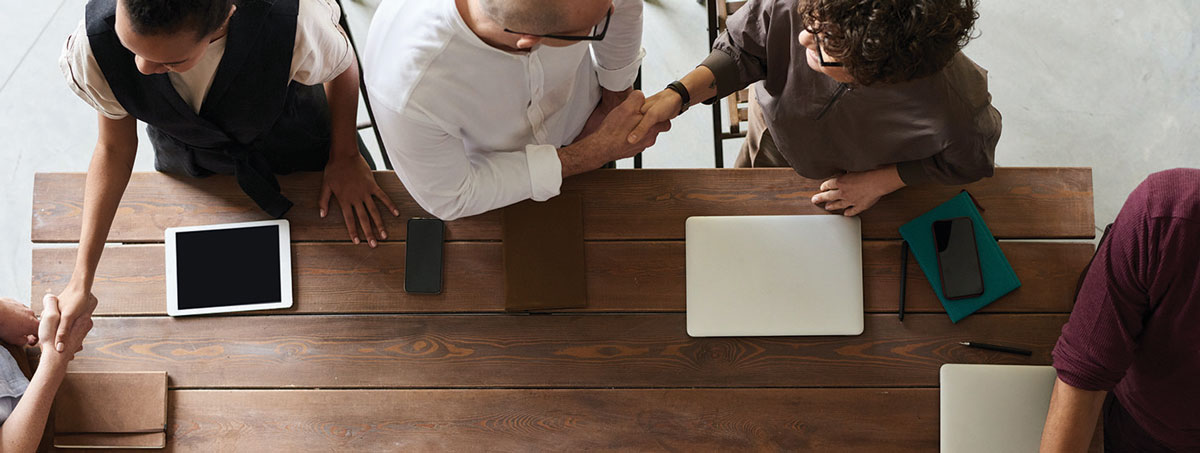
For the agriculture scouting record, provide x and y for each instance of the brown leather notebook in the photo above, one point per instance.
(105, 441)
(115, 403)
(544, 266)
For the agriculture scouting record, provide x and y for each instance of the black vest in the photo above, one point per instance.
(254, 121)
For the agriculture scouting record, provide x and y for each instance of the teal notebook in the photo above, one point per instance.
(998, 276)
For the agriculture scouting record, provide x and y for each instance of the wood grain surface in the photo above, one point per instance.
(359, 365)
(1041, 203)
(622, 277)
(544, 351)
(899, 420)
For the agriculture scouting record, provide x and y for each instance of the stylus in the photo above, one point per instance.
(903, 274)
(992, 347)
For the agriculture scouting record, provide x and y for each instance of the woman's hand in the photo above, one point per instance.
(18, 324)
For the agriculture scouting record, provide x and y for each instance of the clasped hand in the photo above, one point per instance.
(21, 327)
(617, 114)
(60, 349)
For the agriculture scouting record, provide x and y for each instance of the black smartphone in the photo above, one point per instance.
(423, 256)
(958, 258)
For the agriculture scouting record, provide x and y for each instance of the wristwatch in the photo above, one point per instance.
(684, 97)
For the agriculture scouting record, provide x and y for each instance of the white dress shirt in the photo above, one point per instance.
(471, 128)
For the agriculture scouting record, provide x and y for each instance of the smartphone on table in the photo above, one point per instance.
(423, 256)
(958, 258)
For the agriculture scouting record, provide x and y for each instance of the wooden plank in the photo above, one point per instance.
(548, 351)
(623, 276)
(555, 420)
(1040, 203)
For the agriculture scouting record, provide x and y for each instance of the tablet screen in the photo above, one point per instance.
(222, 268)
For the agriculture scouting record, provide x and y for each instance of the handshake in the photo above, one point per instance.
(623, 124)
(19, 326)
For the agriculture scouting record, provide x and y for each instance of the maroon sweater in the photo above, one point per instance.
(1135, 329)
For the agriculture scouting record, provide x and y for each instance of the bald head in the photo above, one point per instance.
(544, 16)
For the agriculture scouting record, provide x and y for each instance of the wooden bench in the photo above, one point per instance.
(359, 364)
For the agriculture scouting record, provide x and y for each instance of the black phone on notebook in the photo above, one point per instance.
(423, 256)
(958, 258)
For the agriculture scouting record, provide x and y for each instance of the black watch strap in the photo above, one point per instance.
(686, 98)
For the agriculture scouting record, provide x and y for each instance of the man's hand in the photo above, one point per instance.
(857, 192)
(609, 100)
(18, 324)
(61, 352)
(658, 109)
(608, 143)
(75, 307)
(349, 178)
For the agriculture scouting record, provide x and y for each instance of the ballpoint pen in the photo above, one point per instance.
(992, 347)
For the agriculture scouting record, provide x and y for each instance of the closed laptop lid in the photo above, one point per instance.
(774, 275)
(994, 408)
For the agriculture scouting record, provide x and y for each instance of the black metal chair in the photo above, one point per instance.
(362, 88)
(736, 103)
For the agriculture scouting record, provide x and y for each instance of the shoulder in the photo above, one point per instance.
(84, 76)
(77, 49)
(317, 13)
(968, 80)
(765, 16)
(406, 38)
(1171, 194)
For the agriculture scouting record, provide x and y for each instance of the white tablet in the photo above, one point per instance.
(230, 267)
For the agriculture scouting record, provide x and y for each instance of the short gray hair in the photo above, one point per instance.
(533, 16)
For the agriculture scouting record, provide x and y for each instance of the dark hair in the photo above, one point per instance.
(156, 17)
(891, 41)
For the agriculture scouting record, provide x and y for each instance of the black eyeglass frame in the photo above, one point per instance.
(821, 54)
(592, 37)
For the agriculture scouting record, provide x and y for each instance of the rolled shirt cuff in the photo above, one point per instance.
(545, 171)
(621, 78)
(725, 71)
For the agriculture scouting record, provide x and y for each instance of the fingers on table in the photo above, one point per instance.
(827, 196)
(348, 217)
(365, 223)
(374, 211)
(387, 201)
(323, 203)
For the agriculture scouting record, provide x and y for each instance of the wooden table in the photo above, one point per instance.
(358, 364)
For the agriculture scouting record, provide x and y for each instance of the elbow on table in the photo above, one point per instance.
(973, 175)
(446, 208)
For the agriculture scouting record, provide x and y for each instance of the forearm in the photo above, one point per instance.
(342, 95)
(108, 175)
(701, 85)
(1072, 418)
(22, 432)
(889, 178)
(581, 157)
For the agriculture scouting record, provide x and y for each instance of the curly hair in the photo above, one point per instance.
(157, 17)
(891, 41)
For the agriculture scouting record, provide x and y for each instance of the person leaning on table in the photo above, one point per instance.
(485, 103)
(249, 89)
(1131, 348)
(874, 95)
(24, 402)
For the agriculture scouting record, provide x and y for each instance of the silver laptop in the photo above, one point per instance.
(994, 408)
(774, 275)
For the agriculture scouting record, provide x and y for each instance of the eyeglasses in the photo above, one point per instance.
(593, 37)
(821, 54)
